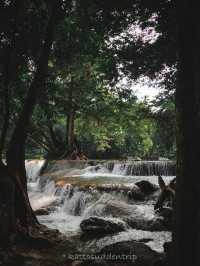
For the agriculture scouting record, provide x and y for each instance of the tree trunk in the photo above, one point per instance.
(70, 131)
(5, 126)
(187, 236)
(10, 66)
(15, 169)
(7, 209)
(70, 121)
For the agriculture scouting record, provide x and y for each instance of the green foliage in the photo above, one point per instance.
(95, 46)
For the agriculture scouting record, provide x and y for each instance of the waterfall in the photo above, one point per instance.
(77, 203)
(96, 189)
(142, 168)
(112, 178)
(41, 199)
(33, 168)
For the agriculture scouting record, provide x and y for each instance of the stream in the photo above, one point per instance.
(75, 191)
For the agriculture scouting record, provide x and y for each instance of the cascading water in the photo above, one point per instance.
(79, 197)
(142, 168)
(40, 199)
(33, 168)
(37, 197)
(77, 203)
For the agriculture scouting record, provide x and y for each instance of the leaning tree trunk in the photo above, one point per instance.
(15, 169)
(187, 236)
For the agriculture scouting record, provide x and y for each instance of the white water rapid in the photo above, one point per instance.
(78, 198)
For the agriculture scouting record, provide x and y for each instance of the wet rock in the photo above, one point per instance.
(42, 211)
(169, 250)
(136, 194)
(145, 240)
(168, 247)
(146, 187)
(133, 193)
(132, 253)
(156, 224)
(167, 215)
(101, 225)
(109, 206)
(136, 216)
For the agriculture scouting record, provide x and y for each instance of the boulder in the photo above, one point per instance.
(103, 226)
(41, 211)
(141, 217)
(167, 214)
(132, 253)
(155, 224)
(146, 187)
(133, 193)
(136, 193)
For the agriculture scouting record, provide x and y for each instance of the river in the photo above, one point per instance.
(70, 189)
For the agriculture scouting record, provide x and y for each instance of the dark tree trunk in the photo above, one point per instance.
(7, 209)
(6, 122)
(70, 121)
(15, 169)
(10, 65)
(187, 236)
(70, 131)
(54, 140)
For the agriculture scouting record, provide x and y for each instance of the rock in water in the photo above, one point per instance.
(41, 211)
(167, 214)
(156, 224)
(136, 193)
(103, 226)
(146, 187)
(132, 253)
